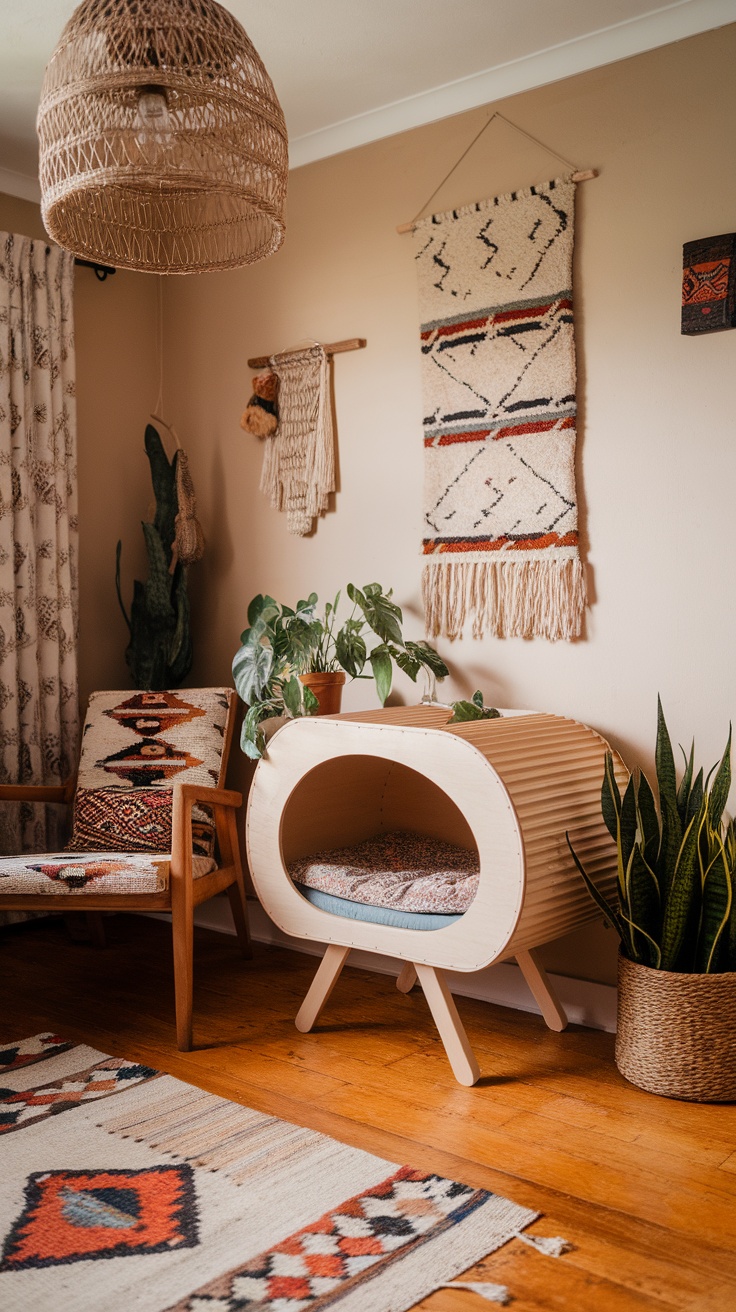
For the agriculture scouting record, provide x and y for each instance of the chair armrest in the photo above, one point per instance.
(37, 792)
(194, 793)
(224, 803)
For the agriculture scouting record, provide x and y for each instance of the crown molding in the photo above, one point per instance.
(664, 25)
(673, 22)
(19, 184)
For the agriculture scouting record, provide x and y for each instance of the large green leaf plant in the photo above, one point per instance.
(282, 642)
(676, 907)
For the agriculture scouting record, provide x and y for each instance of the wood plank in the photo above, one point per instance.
(643, 1187)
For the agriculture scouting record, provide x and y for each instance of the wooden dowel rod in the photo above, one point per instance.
(583, 175)
(331, 348)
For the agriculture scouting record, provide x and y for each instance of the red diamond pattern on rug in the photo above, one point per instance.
(75, 1216)
(30, 1051)
(112, 1075)
(345, 1246)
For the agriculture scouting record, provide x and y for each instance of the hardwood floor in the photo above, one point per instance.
(644, 1187)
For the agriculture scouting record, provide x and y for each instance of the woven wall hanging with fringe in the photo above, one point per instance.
(163, 146)
(498, 359)
(299, 460)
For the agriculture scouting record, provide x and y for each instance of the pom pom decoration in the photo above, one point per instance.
(261, 415)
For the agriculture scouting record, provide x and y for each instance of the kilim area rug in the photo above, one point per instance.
(124, 1188)
(498, 382)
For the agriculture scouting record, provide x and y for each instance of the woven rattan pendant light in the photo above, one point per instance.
(163, 147)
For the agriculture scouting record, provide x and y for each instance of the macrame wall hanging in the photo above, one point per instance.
(498, 380)
(291, 407)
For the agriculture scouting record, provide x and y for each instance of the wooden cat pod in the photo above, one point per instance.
(509, 788)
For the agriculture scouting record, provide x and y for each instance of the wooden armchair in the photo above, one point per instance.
(154, 830)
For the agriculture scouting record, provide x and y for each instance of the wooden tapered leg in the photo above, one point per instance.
(182, 925)
(86, 927)
(544, 995)
(407, 977)
(442, 1006)
(182, 917)
(236, 891)
(322, 986)
(236, 894)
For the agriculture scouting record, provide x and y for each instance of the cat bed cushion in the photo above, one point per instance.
(403, 871)
(342, 906)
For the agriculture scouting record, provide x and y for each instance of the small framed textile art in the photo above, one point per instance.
(709, 284)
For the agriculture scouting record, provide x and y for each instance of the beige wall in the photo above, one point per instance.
(657, 454)
(117, 385)
(657, 457)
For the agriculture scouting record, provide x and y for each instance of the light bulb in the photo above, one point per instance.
(154, 118)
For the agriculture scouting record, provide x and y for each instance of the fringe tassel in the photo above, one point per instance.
(492, 1293)
(505, 598)
(547, 1244)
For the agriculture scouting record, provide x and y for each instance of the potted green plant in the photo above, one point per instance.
(676, 919)
(286, 651)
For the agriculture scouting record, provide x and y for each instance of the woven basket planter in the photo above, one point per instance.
(677, 1033)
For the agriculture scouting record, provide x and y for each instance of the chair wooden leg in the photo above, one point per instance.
(236, 891)
(442, 1006)
(407, 977)
(96, 922)
(321, 986)
(236, 895)
(182, 924)
(86, 927)
(544, 995)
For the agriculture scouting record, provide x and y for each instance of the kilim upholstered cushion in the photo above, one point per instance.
(408, 872)
(100, 872)
(135, 746)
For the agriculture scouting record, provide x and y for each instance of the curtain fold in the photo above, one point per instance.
(39, 711)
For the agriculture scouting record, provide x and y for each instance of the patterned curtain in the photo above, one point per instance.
(39, 710)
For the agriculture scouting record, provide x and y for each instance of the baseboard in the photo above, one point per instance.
(588, 1004)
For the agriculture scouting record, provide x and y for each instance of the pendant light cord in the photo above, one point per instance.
(158, 408)
(160, 345)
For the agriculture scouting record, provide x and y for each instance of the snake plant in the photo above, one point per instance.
(159, 651)
(676, 904)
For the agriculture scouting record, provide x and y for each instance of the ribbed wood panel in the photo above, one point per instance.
(422, 717)
(552, 769)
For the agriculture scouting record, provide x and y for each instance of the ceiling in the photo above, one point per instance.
(352, 71)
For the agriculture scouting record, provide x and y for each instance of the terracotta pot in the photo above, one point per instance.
(327, 688)
(677, 1032)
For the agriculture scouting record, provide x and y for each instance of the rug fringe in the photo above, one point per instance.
(505, 598)
(490, 1292)
(550, 1245)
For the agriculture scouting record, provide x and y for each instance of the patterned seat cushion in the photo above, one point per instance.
(99, 872)
(409, 872)
(135, 746)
